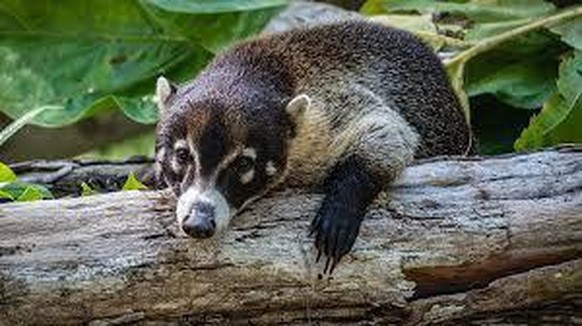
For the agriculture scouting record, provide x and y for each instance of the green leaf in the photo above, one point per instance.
(560, 118)
(570, 32)
(85, 58)
(17, 188)
(214, 6)
(17, 124)
(456, 73)
(373, 7)
(6, 174)
(485, 30)
(100, 55)
(132, 183)
(476, 11)
(525, 83)
(412, 23)
(570, 81)
(214, 24)
(30, 194)
(6, 195)
(86, 190)
(570, 87)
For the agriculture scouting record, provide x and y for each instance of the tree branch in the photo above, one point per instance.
(455, 240)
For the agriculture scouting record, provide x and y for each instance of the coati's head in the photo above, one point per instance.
(219, 152)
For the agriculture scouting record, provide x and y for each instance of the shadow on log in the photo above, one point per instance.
(482, 240)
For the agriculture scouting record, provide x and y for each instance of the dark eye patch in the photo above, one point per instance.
(244, 164)
(183, 155)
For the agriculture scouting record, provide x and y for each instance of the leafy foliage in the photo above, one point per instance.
(526, 53)
(13, 190)
(559, 121)
(86, 190)
(30, 194)
(6, 174)
(132, 183)
(59, 55)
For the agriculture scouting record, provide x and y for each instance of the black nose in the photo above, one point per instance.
(200, 223)
(203, 210)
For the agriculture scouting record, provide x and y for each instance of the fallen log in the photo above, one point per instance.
(457, 240)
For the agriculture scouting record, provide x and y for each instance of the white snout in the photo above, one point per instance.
(197, 194)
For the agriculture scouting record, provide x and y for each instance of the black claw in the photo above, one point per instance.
(350, 188)
(335, 233)
(334, 237)
(335, 262)
(314, 226)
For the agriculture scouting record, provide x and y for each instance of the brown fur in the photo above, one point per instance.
(347, 105)
(352, 69)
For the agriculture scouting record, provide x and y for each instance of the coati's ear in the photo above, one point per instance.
(297, 107)
(164, 90)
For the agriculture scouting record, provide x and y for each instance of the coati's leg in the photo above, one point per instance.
(376, 150)
(349, 189)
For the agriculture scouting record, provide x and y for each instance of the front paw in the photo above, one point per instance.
(335, 228)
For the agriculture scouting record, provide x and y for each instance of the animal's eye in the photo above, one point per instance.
(244, 164)
(183, 155)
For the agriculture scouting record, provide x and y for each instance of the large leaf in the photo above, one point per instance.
(479, 19)
(485, 30)
(560, 119)
(477, 10)
(522, 80)
(216, 6)
(213, 24)
(95, 55)
(571, 32)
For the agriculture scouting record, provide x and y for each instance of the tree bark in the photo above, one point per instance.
(456, 240)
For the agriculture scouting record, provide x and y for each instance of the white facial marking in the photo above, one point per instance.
(175, 165)
(247, 176)
(161, 153)
(225, 162)
(181, 143)
(270, 169)
(250, 153)
(205, 191)
(197, 194)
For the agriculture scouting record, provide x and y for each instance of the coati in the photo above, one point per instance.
(346, 106)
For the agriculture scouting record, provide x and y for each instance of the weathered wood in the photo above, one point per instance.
(456, 240)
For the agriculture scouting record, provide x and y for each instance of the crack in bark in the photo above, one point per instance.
(438, 280)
